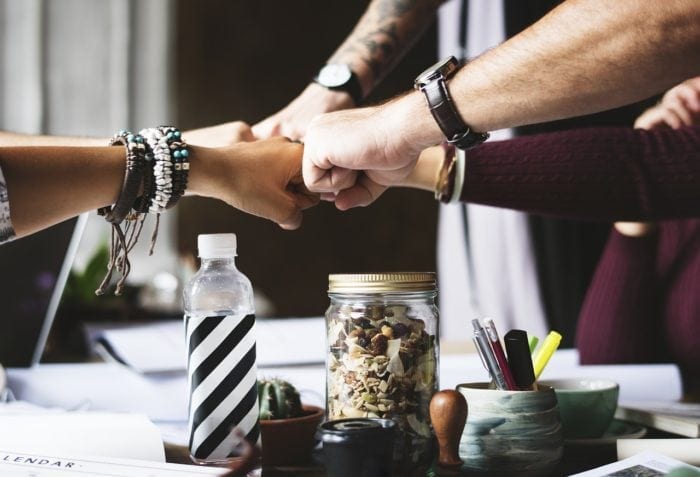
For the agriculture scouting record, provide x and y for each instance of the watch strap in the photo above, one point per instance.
(448, 119)
(351, 86)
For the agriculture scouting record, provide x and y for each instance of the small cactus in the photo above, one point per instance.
(278, 399)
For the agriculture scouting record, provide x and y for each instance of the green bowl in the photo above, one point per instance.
(586, 406)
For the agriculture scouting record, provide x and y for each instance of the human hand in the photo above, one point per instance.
(352, 156)
(293, 120)
(262, 178)
(680, 106)
(221, 135)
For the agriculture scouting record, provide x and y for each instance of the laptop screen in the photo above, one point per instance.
(33, 273)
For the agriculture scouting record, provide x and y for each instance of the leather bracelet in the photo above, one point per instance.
(124, 239)
(135, 166)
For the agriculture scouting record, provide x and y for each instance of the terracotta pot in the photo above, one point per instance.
(288, 442)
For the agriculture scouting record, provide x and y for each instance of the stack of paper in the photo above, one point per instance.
(160, 347)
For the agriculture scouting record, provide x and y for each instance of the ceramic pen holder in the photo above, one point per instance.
(511, 431)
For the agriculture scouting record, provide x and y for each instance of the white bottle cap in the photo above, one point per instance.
(216, 245)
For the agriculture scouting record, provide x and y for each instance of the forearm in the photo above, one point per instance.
(46, 185)
(585, 56)
(620, 319)
(595, 174)
(384, 33)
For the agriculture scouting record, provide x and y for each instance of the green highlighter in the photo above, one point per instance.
(532, 342)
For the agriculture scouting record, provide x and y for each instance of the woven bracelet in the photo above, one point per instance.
(133, 177)
(123, 240)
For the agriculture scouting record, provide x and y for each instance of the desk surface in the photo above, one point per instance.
(576, 459)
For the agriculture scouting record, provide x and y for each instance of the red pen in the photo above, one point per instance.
(498, 352)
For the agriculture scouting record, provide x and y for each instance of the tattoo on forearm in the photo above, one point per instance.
(389, 26)
(396, 8)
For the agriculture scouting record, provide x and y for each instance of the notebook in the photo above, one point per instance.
(33, 274)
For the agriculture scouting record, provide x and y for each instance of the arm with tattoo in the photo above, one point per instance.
(385, 32)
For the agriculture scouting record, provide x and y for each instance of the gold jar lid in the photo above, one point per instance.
(397, 282)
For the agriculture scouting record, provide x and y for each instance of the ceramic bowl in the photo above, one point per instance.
(587, 406)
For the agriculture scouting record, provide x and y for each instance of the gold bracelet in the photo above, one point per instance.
(445, 181)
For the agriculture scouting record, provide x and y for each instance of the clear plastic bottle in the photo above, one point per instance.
(221, 361)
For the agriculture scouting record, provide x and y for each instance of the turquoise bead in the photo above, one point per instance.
(177, 134)
(185, 153)
(177, 154)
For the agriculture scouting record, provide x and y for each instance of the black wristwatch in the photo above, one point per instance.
(339, 77)
(433, 83)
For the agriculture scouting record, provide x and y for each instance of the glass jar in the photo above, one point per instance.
(382, 361)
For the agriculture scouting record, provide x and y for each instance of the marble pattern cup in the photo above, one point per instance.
(511, 432)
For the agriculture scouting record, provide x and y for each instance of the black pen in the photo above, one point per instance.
(519, 359)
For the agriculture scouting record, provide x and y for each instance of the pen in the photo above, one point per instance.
(482, 344)
(545, 352)
(520, 359)
(498, 352)
(533, 343)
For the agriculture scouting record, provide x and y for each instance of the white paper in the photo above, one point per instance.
(23, 464)
(681, 409)
(685, 450)
(160, 347)
(646, 461)
(100, 387)
(84, 433)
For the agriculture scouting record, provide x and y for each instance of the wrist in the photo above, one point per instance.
(332, 100)
(408, 118)
(203, 161)
(425, 175)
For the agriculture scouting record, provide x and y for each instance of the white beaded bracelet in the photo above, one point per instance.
(162, 168)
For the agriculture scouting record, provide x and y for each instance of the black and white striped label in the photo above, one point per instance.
(222, 381)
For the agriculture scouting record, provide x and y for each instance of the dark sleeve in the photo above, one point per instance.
(593, 174)
(620, 318)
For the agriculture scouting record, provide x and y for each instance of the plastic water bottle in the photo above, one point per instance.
(221, 361)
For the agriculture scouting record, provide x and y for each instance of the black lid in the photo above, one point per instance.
(365, 429)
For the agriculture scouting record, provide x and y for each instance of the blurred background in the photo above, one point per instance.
(86, 68)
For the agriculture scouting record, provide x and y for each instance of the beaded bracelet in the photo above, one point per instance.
(162, 169)
(181, 164)
(171, 166)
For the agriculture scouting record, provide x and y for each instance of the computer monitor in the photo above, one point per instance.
(33, 274)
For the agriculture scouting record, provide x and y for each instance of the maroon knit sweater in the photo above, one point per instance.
(643, 304)
(598, 174)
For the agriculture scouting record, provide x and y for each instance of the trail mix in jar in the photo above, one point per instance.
(382, 363)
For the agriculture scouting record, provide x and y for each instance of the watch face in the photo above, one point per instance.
(332, 76)
(441, 69)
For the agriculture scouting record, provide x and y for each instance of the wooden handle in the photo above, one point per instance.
(448, 414)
